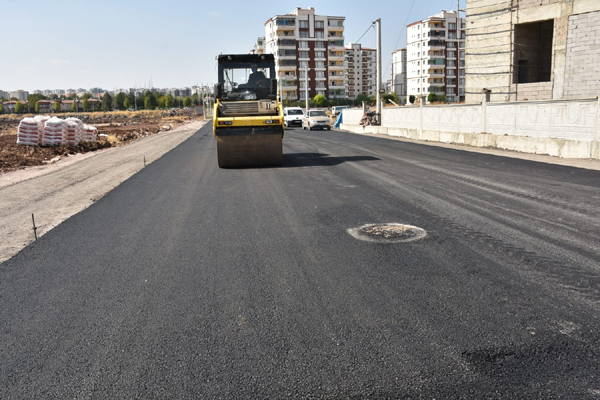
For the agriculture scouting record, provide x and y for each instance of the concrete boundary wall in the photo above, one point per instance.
(561, 128)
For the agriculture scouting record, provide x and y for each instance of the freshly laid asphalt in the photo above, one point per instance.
(190, 281)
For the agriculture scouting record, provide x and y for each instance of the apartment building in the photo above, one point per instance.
(259, 46)
(436, 56)
(399, 76)
(361, 70)
(21, 95)
(533, 49)
(4, 95)
(302, 42)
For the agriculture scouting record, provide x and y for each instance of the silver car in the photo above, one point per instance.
(316, 119)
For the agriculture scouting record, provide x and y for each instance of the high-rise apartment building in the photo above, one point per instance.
(302, 42)
(436, 57)
(361, 73)
(399, 73)
(21, 95)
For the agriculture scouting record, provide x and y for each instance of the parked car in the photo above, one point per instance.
(316, 119)
(335, 110)
(292, 116)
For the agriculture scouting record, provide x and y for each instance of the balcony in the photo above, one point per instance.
(436, 44)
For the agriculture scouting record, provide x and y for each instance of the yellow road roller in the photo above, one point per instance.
(248, 117)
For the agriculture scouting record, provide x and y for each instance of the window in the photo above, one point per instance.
(303, 44)
(303, 64)
(319, 54)
(452, 26)
(303, 54)
(304, 34)
(320, 64)
(451, 35)
(533, 52)
(320, 24)
(319, 34)
(303, 24)
(320, 45)
(451, 54)
(320, 74)
(462, 53)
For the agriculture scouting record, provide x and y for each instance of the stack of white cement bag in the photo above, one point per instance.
(74, 130)
(28, 132)
(89, 133)
(54, 131)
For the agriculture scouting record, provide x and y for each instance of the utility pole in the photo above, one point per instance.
(378, 109)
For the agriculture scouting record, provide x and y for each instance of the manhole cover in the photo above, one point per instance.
(387, 233)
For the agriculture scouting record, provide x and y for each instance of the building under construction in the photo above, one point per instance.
(532, 49)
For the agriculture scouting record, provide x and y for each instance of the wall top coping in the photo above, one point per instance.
(588, 99)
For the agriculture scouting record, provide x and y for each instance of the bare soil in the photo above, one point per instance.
(114, 129)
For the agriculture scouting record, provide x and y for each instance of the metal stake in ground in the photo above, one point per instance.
(34, 227)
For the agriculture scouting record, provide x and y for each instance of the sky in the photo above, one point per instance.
(71, 44)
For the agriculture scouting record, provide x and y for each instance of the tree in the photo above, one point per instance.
(195, 99)
(148, 103)
(19, 107)
(34, 98)
(161, 101)
(320, 100)
(442, 98)
(432, 97)
(37, 107)
(363, 97)
(106, 102)
(86, 96)
(86, 104)
(412, 99)
(187, 102)
(126, 103)
(1, 109)
(56, 106)
(118, 101)
(74, 106)
(169, 101)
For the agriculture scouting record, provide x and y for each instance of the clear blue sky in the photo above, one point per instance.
(63, 44)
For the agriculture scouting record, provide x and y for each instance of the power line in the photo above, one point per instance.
(400, 37)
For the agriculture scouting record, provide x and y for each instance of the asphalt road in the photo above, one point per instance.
(188, 281)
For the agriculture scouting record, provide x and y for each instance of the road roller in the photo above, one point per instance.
(248, 117)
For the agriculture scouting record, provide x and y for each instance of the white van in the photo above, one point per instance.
(292, 116)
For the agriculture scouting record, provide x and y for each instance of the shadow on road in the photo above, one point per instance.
(291, 160)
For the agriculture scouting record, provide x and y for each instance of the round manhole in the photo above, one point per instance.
(387, 233)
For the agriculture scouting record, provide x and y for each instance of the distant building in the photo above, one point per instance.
(21, 95)
(46, 106)
(361, 70)
(436, 56)
(259, 46)
(398, 83)
(4, 95)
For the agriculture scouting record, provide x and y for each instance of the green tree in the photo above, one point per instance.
(74, 106)
(432, 97)
(319, 100)
(363, 97)
(86, 104)
(412, 99)
(148, 103)
(442, 98)
(34, 98)
(1, 109)
(86, 96)
(195, 99)
(126, 103)
(161, 101)
(37, 107)
(106, 102)
(187, 102)
(57, 106)
(19, 107)
(118, 101)
(169, 101)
